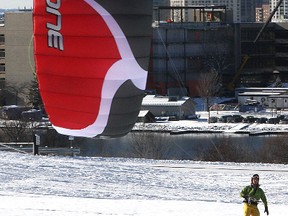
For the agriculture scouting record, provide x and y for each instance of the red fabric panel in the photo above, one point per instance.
(71, 80)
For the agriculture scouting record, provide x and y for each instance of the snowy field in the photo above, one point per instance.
(62, 186)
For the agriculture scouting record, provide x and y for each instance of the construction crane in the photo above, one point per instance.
(231, 85)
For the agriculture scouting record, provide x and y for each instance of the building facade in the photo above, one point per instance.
(242, 10)
(157, 3)
(262, 13)
(165, 14)
(248, 8)
(2, 55)
(281, 14)
(181, 52)
(268, 57)
(19, 58)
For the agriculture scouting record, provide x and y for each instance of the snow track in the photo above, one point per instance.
(33, 185)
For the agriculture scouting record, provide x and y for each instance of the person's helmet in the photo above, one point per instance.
(255, 176)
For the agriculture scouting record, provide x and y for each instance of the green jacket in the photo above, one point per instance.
(248, 191)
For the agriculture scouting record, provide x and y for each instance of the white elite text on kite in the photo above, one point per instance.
(55, 38)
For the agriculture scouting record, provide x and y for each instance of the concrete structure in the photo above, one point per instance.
(231, 5)
(261, 97)
(278, 102)
(163, 106)
(243, 10)
(145, 116)
(2, 55)
(266, 56)
(19, 47)
(165, 15)
(273, 98)
(265, 89)
(157, 3)
(183, 14)
(248, 10)
(182, 51)
(19, 60)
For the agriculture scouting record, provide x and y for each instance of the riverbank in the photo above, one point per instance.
(201, 125)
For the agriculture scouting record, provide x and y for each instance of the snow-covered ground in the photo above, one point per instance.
(62, 186)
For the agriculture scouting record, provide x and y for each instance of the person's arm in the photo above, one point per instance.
(264, 200)
(244, 193)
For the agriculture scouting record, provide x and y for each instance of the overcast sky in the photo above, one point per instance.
(8, 4)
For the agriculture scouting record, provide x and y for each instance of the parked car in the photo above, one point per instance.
(237, 118)
(249, 119)
(273, 120)
(213, 119)
(261, 120)
(283, 121)
(225, 118)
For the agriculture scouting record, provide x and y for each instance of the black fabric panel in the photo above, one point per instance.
(135, 19)
(124, 110)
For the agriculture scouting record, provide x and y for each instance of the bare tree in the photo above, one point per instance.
(16, 130)
(217, 53)
(275, 150)
(149, 145)
(209, 86)
(16, 94)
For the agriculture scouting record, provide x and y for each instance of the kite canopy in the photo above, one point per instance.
(91, 63)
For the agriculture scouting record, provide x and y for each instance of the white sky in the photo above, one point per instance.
(11, 4)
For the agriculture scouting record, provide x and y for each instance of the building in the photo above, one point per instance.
(145, 116)
(267, 56)
(2, 55)
(261, 98)
(181, 51)
(19, 47)
(242, 10)
(168, 107)
(281, 14)
(165, 15)
(158, 3)
(248, 10)
(262, 13)
(19, 57)
(273, 98)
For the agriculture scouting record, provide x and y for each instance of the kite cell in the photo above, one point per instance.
(91, 62)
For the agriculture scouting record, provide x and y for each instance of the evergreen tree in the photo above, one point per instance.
(34, 94)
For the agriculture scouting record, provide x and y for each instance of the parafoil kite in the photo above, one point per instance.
(91, 61)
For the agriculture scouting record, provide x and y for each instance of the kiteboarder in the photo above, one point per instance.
(252, 195)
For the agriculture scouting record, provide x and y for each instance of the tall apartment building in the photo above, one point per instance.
(2, 55)
(243, 10)
(262, 13)
(19, 60)
(281, 14)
